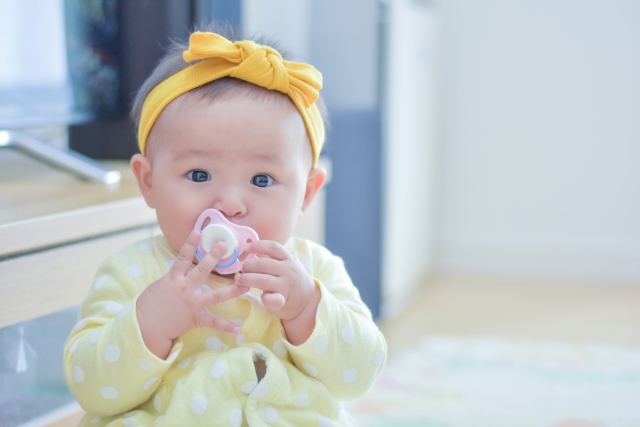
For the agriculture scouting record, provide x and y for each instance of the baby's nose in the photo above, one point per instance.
(230, 207)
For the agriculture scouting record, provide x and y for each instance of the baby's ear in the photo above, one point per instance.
(142, 170)
(315, 181)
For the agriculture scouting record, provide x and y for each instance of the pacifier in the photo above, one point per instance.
(220, 229)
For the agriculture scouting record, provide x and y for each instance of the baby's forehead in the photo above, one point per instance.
(213, 112)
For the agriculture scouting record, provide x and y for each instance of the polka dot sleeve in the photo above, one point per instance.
(107, 365)
(346, 351)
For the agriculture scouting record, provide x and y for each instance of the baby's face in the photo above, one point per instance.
(248, 158)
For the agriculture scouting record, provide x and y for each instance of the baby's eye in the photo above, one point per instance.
(262, 181)
(198, 176)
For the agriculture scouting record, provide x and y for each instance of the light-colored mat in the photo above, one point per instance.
(496, 382)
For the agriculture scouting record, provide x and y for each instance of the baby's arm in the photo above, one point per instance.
(112, 363)
(329, 331)
(107, 365)
(288, 291)
(346, 351)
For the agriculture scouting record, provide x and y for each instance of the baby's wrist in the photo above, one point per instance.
(153, 336)
(299, 328)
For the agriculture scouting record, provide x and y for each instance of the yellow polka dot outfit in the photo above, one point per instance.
(209, 377)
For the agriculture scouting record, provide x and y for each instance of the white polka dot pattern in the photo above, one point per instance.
(217, 370)
(324, 422)
(198, 405)
(134, 270)
(159, 419)
(350, 375)
(270, 414)
(310, 368)
(112, 353)
(302, 400)
(183, 364)
(95, 335)
(262, 350)
(78, 374)
(346, 368)
(248, 387)
(113, 307)
(96, 419)
(80, 325)
(109, 392)
(213, 343)
(73, 346)
(377, 359)
(169, 263)
(235, 418)
(124, 311)
(279, 349)
(320, 345)
(150, 382)
(239, 339)
(260, 390)
(144, 246)
(100, 282)
(145, 364)
(348, 335)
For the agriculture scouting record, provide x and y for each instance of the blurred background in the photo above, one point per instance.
(484, 194)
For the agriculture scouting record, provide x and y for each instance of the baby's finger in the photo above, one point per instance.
(269, 248)
(210, 320)
(273, 301)
(185, 257)
(225, 293)
(261, 281)
(268, 266)
(207, 264)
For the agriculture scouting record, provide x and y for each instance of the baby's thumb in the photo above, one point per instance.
(273, 301)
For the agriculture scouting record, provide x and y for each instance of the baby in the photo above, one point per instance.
(165, 340)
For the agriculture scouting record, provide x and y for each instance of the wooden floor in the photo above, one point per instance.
(519, 308)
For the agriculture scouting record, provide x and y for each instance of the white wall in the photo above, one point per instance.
(409, 150)
(32, 43)
(540, 164)
(286, 21)
(343, 41)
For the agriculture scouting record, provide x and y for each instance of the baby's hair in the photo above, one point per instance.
(225, 87)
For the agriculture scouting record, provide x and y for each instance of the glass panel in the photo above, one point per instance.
(31, 378)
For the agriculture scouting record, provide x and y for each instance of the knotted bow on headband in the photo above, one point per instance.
(245, 60)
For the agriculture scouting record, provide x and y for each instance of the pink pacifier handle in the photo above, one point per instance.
(243, 234)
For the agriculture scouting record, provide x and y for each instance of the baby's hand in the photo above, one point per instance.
(287, 287)
(175, 304)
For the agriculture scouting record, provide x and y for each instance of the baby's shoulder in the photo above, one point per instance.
(307, 248)
(313, 256)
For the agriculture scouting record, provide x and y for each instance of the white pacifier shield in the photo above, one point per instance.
(214, 233)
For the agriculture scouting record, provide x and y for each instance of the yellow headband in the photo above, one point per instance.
(245, 60)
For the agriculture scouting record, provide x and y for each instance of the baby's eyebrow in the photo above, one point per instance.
(191, 153)
(268, 157)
